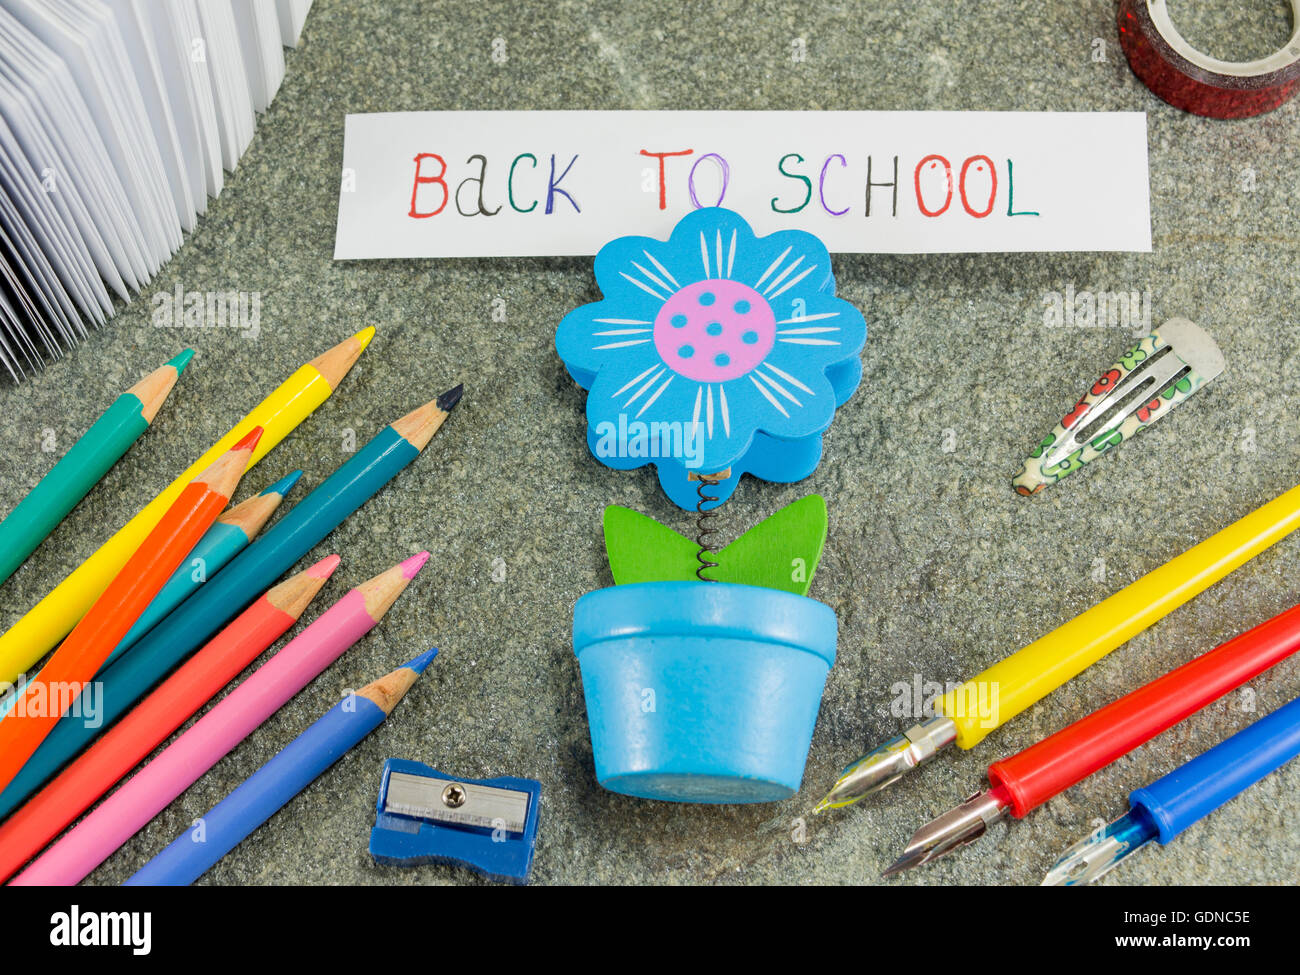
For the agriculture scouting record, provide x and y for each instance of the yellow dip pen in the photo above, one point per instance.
(50, 620)
(1030, 674)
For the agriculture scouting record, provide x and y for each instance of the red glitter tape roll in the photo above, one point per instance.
(1196, 82)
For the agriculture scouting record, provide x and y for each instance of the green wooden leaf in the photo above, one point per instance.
(642, 550)
(780, 552)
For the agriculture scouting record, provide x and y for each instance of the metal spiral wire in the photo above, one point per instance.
(702, 528)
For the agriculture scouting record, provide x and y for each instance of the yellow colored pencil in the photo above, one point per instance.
(54, 616)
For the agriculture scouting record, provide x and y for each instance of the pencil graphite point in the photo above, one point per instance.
(152, 391)
(422, 661)
(333, 364)
(284, 485)
(448, 400)
(252, 514)
(381, 591)
(414, 564)
(224, 473)
(419, 426)
(181, 360)
(294, 594)
(249, 442)
(392, 687)
(325, 567)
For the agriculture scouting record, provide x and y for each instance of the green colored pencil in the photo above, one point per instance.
(82, 467)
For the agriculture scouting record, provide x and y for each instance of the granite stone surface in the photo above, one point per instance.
(934, 566)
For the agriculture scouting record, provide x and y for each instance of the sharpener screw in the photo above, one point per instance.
(453, 796)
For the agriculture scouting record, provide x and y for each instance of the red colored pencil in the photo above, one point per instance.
(80, 656)
(131, 740)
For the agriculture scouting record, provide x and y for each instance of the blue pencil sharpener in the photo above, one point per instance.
(427, 816)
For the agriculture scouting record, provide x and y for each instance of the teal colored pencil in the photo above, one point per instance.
(268, 789)
(222, 542)
(84, 464)
(234, 587)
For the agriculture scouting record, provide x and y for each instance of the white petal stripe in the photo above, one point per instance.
(643, 286)
(791, 283)
(775, 265)
(662, 270)
(632, 382)
(781, 277)
(651, 276)
(770, 398)
(777, 386)
(646, 405)
(637, 395)
(790, 379)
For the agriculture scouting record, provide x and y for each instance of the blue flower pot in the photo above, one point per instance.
(702, 691)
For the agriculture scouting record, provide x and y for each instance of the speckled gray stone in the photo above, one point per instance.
(934, 566)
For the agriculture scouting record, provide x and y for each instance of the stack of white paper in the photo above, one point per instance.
(293, 14)
(117, 119)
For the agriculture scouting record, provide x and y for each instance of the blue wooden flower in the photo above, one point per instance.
(716, 349)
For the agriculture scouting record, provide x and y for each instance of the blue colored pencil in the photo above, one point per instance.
(268, 789)
(249, 574)
(222, 542)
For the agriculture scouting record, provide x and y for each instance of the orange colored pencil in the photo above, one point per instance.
(76, 661)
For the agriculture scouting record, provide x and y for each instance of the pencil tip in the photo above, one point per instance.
(448, 400)
(249, 442)
(325, 567)
(422, 661)
(284, 485)
(364, 336)
(414, 564)
(179, 362)
(335, 363)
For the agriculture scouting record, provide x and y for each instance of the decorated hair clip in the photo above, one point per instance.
(1147, 382)
(711, 355)
(714, 351)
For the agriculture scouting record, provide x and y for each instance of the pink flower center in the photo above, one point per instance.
(716, 330)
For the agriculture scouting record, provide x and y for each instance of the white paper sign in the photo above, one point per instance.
(499, 184)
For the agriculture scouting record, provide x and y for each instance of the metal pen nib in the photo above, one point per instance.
(886, 764)
(1101, 851)
(954, 829)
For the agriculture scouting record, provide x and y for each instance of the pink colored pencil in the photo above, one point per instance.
(150, 790)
